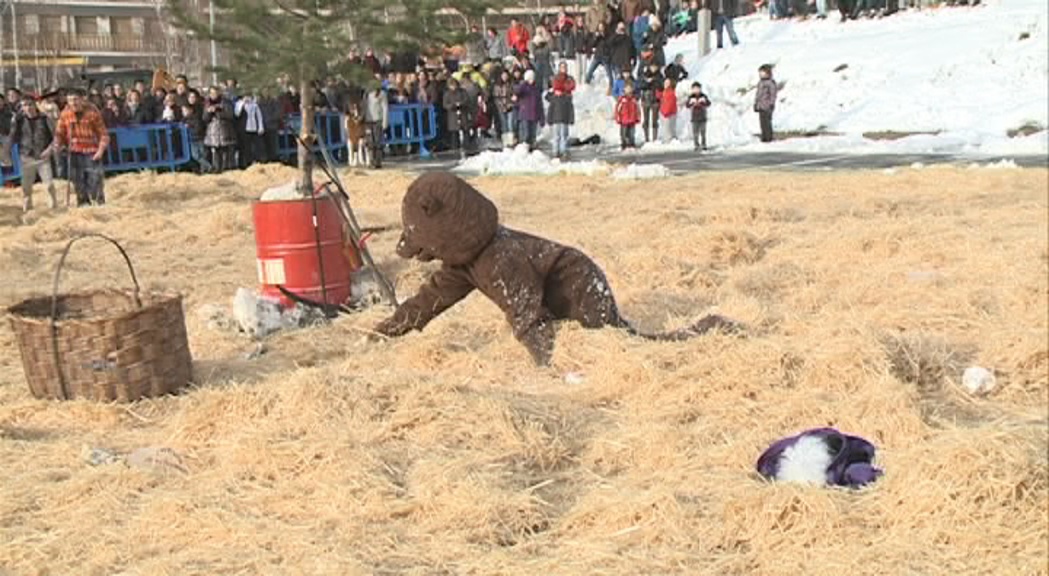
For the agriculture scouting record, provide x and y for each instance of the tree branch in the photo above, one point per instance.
(289, 11)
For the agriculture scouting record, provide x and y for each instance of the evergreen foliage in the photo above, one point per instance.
(307, 40)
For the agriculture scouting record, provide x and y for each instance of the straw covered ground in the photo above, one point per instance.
(446, 452)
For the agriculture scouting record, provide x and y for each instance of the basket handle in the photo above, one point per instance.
(54, 298)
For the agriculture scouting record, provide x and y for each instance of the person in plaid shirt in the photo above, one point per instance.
(81, 130)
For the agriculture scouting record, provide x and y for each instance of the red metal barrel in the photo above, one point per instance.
(287, 252)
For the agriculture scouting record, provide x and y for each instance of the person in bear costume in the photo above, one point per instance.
(533, 280)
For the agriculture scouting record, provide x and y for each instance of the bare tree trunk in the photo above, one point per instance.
(166, 29)
(3, 74)
(308, 136)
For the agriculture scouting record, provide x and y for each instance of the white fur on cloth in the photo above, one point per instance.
(805, 462)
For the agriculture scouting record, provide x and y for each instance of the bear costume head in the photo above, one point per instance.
(445, 219)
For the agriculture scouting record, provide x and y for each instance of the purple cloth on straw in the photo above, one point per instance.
(851, 458)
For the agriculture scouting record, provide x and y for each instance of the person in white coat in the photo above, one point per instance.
(254, 128)
(377, 120)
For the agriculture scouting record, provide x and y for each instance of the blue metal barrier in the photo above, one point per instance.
(14, 172)
(328, 126)
(151, 146)
(412, 124)
(132, 148)
(147, 146)
(409, 124)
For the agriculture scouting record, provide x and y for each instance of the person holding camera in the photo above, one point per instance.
(220, 136)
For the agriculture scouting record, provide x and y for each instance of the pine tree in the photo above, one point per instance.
(308, 40)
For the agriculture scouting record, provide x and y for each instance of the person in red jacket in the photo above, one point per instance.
(517, 37)
(562, 112)
(668, 111)
(628, 115)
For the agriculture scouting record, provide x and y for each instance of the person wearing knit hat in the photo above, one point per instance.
(528, 106)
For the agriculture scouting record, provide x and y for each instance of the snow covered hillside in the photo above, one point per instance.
(950, 80)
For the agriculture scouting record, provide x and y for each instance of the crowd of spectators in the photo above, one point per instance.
(501, 86)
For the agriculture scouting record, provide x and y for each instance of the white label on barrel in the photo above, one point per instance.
(271, 272)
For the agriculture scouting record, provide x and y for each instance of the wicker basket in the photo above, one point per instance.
(103, 345)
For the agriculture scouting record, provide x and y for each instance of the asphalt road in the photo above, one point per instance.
(686, 161)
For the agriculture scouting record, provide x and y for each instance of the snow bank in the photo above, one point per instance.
(521, 161)
(672, 146)
(968, 75)
(641, 172)
(1008, 164)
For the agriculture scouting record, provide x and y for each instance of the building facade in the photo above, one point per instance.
(47, 43)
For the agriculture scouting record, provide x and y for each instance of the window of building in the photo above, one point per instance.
(50, 24)
(121, 26)
(87, 25)
(31, 24)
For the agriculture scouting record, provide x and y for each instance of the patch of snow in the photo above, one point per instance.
(288, 191)
(641, 172)
(658, 146)
(978, 380)
(575, 378)
(1031, 145)
(963, 74)
(255, 315)
(521, 161)
(260, 316)
(1004, 164)
(365, 289)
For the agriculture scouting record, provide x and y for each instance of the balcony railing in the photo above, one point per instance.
(67, 43)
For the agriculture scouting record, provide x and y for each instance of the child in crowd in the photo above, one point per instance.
(698, 103)
(628, 115)
(171, 112)
(765, 101)
(668, 111)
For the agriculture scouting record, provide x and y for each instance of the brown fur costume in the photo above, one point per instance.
(533, 280)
